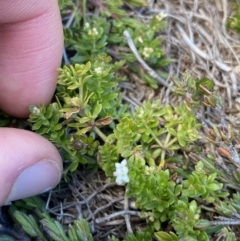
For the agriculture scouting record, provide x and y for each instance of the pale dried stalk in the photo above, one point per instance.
(150, 71)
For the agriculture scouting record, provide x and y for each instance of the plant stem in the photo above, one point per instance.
(100, 134)
(154, 136)
(162, 161)
(84, 5)
(81, 95)
(171, 142)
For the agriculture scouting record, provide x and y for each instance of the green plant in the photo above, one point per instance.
(51, 229)
(200, 184)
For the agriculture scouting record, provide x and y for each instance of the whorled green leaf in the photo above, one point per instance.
(54, 229)
(163, 236)
(29, 225)
(82, 230)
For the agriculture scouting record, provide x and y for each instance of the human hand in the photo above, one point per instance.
(31, 43)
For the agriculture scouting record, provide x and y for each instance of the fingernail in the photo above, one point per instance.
(36, 179)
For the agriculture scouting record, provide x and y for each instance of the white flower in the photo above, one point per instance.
(121, 172)
(149, 170)
(98, 70)
(36, 110)
(86, 25)
(161, 16)
(93, 32)
(151, 218)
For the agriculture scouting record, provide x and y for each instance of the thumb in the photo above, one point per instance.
(29, 165)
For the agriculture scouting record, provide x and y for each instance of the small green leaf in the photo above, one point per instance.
(126, 153)
(29, 225)
(85, 79)
(156, 225)
(73, 86)
(163, 236)
(96, 109)
(58, 127)
(172, 131)
(193, 206)
(212, 177)
(85, 119)
(156, 153)
(76, 101)
(36, 125)
(214, 186)
(84, 130)
(83, 69)
(54, 230)
(174, 147)
(72, 233)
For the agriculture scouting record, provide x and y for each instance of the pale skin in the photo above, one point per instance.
(31, 43)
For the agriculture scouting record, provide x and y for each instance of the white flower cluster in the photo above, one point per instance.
(87, 25)
(93, 32)
(121, 172)
(147, 52)
(98, 70)
(36, 110)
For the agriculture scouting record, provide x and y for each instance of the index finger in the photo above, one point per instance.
(31, 42)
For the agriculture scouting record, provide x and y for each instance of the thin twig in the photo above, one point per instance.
(107, 205)
(225, 222)
(116, 214)
(127, 217)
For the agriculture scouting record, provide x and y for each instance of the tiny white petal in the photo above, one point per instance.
(86, 25)
(119, 180)
(151, 218)
(118, 172)
(125, 178)
(123, 169)
(36, 110)
(117, 165)
(124, 162)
